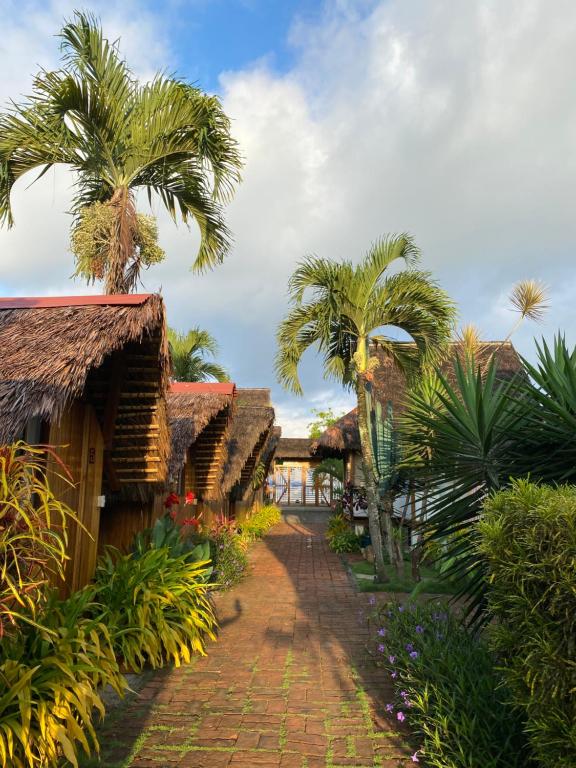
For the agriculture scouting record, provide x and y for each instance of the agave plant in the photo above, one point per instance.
(459, 443)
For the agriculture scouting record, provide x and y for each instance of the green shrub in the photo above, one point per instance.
(347, 541)
(228, 551)
(260, 521)
(447, 688)
(33, 534)
(528, 537)
(178, 539)
(341, 537)
(51, 676)
(155, 605)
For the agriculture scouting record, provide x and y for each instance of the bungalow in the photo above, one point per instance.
(342, 439)
(200, 415)
(249, 450)
(292, 478)
(88, 375)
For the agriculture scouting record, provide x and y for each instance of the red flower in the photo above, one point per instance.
(190, 496)
(171, 499)
(193, 521)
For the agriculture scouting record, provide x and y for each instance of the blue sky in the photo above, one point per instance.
(213, 36)
(452, 121)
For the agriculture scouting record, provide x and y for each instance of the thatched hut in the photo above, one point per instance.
(292, 479)
(245, 471)
(200, 416)
(88, 375)
(389, 385)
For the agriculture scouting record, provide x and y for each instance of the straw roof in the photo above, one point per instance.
(191, 408)
(251, 424)
(390, 386)
(294, 448)
(109, 350)
(271, 447)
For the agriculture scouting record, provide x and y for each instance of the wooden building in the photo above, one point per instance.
(342, 440)
(248, 450)
(88, 375)
(200, 415)
(291, 480)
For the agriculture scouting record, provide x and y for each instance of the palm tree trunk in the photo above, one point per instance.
(388, 530)
(370, 483)
(120, 277)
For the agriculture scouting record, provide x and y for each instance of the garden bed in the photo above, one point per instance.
(363, 573)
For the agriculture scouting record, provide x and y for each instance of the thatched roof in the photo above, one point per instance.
(251, 424)
(271, 447)
(390, 386)
(294, 448)
(56, 350)
(191, 408)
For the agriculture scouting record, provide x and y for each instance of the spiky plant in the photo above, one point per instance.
(118, 135)
(189, 351)
(339, 308)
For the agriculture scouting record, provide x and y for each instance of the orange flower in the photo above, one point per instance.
(190, 496)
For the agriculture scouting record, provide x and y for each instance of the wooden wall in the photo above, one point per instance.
(121, 520)
(78, 441)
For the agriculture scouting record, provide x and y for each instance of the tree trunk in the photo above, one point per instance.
(417, 551)
(370, 483)
(388, 530)
(121, 274)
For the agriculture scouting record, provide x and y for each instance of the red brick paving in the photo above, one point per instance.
(287, 685)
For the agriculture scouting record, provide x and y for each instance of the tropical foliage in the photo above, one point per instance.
(259, 521)
(164, 137)
(475, 435)
(156, 605)
(179, 540)
(228, 553)
(33, 537)
(189, 352)
(341, 537)
(447, 687)
(322, 420)
(52, 676)
(528, 540)
(340, 308)
(329, 467)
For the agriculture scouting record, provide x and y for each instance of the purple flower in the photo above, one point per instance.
(414, 758)
(381, 648)
(400, 716)
(403, 694)
(389, 707)
(414, 655)
(419, 629)
(372, 600)
(382, 632)
(393, 675)
(392, 659)
(409, 647)
(401, 608)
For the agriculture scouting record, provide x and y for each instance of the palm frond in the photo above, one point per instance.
(529, 298)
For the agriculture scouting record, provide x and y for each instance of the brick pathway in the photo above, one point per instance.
(288, 684)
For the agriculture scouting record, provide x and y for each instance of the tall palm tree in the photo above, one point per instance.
(189, 351)
(118, 135)
(341, 308)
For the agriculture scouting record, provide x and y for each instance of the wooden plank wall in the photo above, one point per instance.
(78, 440)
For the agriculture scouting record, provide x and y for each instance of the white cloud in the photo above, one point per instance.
(454, 121)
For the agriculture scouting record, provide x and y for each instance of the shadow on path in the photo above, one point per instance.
(287, 684)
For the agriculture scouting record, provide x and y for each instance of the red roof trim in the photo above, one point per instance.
(47, 302)
(199, 387)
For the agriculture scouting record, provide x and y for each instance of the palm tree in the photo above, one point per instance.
(164, 137)
(347, 307)
(189, 350)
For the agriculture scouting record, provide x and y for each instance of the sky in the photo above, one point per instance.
(453, 121)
